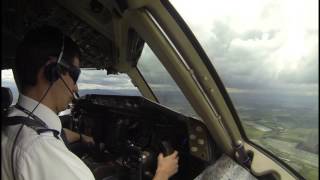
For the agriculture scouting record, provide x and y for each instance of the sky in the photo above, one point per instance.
(265, 46)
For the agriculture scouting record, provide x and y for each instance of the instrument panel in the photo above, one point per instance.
(131, 129)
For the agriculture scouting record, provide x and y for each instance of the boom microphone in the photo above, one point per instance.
(75, 94)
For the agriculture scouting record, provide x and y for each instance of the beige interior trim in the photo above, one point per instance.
(80, 9)
(138, 81)
(120, 28)
(262, 165)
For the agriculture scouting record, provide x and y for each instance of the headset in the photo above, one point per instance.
(52, 73)
(52, 70)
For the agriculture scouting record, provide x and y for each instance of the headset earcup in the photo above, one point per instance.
(51, 72)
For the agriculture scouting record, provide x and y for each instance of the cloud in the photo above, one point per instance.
(105, 87)
(98, 79)
(259, 45)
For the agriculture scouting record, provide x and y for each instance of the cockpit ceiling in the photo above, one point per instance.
(98, 50)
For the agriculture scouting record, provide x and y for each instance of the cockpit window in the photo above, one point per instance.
(7, 80)
(162, 84)
(91, 81)
(266, 53)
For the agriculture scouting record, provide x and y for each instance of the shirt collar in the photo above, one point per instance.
(42, 111)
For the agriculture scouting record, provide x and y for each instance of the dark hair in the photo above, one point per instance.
(34, 51)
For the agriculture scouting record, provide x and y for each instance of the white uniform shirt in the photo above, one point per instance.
(39, 157)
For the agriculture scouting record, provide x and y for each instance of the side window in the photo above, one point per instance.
(267, 57)
(7, 80)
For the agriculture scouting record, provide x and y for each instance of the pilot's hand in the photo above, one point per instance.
(167, 166)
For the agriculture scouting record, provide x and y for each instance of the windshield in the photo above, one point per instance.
(266, 53)
(93, 81)
(162, 84)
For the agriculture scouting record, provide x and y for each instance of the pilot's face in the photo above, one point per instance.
(64, 95)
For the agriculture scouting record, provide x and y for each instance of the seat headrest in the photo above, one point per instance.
(6, 97)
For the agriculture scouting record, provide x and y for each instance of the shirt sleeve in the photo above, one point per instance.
(49, 159)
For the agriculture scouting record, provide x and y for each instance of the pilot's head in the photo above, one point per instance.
(47, 58)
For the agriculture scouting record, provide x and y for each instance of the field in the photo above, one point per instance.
(289, 132)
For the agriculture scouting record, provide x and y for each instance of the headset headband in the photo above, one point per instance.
(61, 52)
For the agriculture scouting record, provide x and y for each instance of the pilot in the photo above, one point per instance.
(32, 148)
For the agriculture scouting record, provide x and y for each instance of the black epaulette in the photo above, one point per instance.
(36, 125)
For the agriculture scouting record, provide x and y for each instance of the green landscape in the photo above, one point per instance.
(288, 131)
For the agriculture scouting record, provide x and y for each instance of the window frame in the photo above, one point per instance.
(185, 28)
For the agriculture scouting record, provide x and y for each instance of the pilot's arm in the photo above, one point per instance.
(167, 166)
(74, 137)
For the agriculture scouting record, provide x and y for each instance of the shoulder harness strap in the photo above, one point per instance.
(38, 126)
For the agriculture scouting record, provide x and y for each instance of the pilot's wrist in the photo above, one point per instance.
(160, 175)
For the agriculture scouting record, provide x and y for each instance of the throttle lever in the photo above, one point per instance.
(166, 148)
